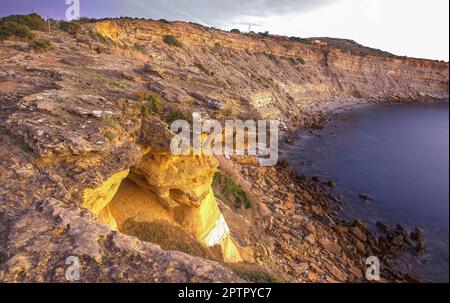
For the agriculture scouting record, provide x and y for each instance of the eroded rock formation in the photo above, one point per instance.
(80, 158)
(176, 189)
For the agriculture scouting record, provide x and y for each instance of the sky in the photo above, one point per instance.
(414, 28)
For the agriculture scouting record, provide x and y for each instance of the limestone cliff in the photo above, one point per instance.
(274, 75)
(82, 156)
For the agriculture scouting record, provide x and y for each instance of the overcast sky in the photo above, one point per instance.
(416, 28)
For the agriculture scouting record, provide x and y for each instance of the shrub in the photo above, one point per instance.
(228, 191)
(226, 112)
(172, 114)
(20, 141)
(115, 84)
(84, 20)
(357, 94)
(41, 44)
(235, 30)
(296, 61)
(172, 41)
(272, 57)
(11, 28)
(32, 21)
(201, 67)
(109, 135)
(301, 60)
(153, 103)
(102, 39)
(70, 27)
(140, 48)
(21, 26)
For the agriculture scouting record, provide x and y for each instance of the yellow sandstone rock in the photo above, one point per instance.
(176, 189)
(96, 199)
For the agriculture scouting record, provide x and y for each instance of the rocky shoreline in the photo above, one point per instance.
(315, 202)
(311, 242)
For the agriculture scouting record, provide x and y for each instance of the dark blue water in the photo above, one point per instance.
(399, 154)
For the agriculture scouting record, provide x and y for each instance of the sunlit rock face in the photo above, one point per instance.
(265, 72)
(176, 180)
(176, 189)
(96, 199)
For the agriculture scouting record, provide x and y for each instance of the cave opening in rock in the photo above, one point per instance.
(135, 211)
(167, 200)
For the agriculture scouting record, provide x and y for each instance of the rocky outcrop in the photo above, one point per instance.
(175, 189)
(44, 237)
(80, 157)
(276, 75)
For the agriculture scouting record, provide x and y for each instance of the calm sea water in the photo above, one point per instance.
(399, 154)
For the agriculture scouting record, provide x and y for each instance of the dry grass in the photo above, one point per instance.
(254, 273)
(168, 236)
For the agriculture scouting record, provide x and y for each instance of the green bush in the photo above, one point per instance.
(41, 44)
(20, 26)
(272, 57)
(357, 94)
(173, 114)
(153, 103)
(228, 191)
(201, 67)
(10, 29)
(109, 135)
(32, 21)
(84, 20)
(172, 41)
(296, 61)
(20, 141)
(70, 27)
(140, 48)
(115, 84)
(301, 60)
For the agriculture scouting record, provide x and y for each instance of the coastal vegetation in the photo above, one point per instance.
(228, 191)
(41, 44)
(152, 103)
(172, 41)
(20, 26)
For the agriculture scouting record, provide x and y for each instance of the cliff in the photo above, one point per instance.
(86, 169)
(275, 74)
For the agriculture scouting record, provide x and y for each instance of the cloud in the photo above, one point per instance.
(224, 12)
(218, 13)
